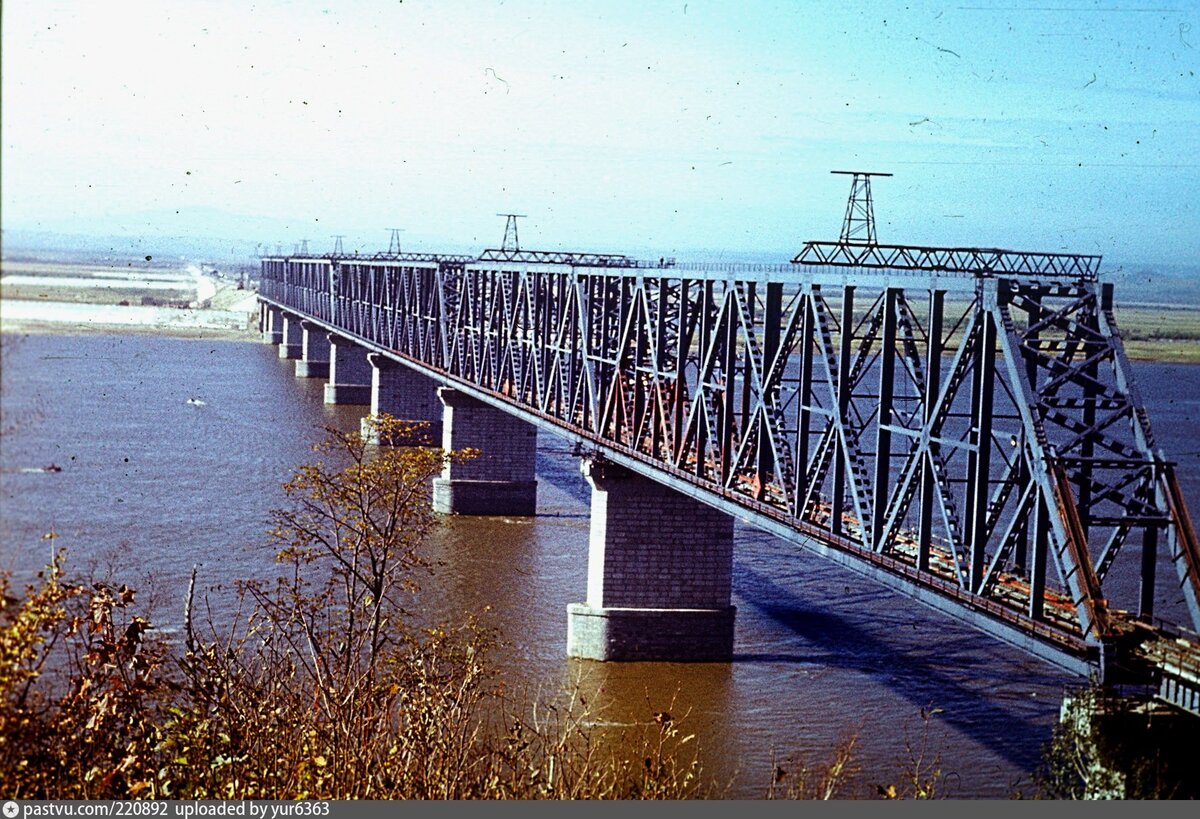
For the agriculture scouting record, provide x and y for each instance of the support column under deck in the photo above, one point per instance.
(272, 324)
(349, 373)
(291, 343)
(660, 566)
(314, 351)
(500, 480)
(407, 395)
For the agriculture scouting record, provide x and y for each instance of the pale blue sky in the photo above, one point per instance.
(621, 126)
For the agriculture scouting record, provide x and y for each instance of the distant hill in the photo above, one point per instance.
(226, 240)
(1167, 285)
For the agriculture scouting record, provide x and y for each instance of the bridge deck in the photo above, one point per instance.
(971, 437)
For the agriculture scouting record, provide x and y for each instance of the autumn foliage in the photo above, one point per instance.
(321, 686)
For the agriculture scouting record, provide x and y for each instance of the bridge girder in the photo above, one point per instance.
(977, 435)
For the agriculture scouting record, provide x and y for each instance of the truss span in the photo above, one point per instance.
(962, 426)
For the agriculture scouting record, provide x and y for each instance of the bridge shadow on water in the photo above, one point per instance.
(558, 465)
(945, 665)
(920, 673)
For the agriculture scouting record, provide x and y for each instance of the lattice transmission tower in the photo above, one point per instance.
(859, 225)
(510, 231)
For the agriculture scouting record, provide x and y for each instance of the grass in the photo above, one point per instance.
(1160, 334)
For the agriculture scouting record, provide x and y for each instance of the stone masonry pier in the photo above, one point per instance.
(500, 481)
(292, 337)
(314, 351)
(407, 395)
(660, 566)
(271, 324)
(349, 373)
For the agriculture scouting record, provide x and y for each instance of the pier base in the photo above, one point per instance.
(500, 481)
(407, 395)
(291, 344)
(660, 567)
(349, 373)
(314, 351)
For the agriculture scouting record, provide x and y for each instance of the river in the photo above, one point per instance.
(152, 484)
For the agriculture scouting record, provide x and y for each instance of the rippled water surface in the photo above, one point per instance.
(152, 484)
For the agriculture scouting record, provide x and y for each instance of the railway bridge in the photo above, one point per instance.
(959, 424)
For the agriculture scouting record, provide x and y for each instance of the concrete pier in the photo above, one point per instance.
(314, 351)
(660, 567)
(405, 394)
(272, 324)
(291, 344)
(349, 373)
(500, 480)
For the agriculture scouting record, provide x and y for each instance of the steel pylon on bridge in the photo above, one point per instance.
(961, 424)
(511, 241)
(858, 226)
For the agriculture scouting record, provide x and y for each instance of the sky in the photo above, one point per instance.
(645, 127)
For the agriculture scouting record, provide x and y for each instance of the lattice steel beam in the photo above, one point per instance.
(983, 447)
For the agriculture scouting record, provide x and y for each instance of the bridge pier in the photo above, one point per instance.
(349, 373)
(500, 481)
(314, 351)
(660, 566)
(291, 343)
(270, 322)
(404, 394)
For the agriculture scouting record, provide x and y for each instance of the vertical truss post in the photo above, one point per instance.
(662, 446)
(979, 462)
(679, 396)
(607, 344)
(803, 435)
(842, 454)
(747, 353)
(662, 320)
(576, 371)
(883, 443)
(729, 365)
(772, 321)
(1087, 447)
(933, 388)
(1147, 579)
(641, 382)
(1021, 536)
(1037, 566)
(1021, 551)
(707, 319)
(334, 293)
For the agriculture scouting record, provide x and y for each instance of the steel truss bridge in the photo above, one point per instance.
(960, 424)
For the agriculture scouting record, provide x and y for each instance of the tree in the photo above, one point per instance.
(320, 686)
(327, 687)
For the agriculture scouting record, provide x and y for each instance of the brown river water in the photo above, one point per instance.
(152, 485)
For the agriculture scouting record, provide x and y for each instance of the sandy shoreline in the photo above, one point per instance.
(66, 299)
(74, 318)
(33, 328)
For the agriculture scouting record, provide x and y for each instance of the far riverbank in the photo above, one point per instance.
(185, 302)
